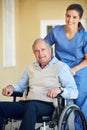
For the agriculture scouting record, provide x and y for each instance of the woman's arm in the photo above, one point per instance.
(80, 66)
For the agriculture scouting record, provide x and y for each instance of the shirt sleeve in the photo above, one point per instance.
(68, 83)
(23, 83)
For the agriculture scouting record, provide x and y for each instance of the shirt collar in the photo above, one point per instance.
(53, 61)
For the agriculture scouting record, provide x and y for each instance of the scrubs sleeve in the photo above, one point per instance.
(85, 42)
(50, 37)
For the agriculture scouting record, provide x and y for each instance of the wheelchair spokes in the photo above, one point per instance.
(66, 121)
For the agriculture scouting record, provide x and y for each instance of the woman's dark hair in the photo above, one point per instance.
(79, 9)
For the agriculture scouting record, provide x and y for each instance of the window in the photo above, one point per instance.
(8, 33)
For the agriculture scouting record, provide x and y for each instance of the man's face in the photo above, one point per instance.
(42, 53)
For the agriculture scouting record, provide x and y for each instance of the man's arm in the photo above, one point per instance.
(23, 83)
(68, 86)
(67, 82)
(20, 86)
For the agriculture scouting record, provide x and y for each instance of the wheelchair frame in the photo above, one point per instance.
(59, 118)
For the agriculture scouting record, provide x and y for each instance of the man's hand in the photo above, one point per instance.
(53, 92)
(8, 90)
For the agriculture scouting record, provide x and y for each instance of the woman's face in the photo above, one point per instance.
(72, 18)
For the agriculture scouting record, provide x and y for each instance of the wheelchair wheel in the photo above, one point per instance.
(66, 121)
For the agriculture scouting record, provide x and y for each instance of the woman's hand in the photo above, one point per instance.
(79, 66)
(73, 71)
(8, 90)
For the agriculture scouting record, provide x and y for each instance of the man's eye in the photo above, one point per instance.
(74, 17)
(36, 51)
(43, 49)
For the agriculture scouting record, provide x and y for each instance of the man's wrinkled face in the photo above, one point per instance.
(42, 52)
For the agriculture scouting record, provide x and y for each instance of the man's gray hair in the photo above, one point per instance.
(38, 40)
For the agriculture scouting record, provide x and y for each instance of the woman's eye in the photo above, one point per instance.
(68, 16)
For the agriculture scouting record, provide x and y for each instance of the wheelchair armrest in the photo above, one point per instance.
(16, 94)
(60, 100)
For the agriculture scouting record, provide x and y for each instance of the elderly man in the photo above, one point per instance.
(44, 78)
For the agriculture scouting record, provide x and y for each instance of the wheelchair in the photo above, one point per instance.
(62, 117)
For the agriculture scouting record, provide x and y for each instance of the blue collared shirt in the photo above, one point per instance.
(64, 75)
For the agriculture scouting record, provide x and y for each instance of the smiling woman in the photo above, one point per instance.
(70, 40)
